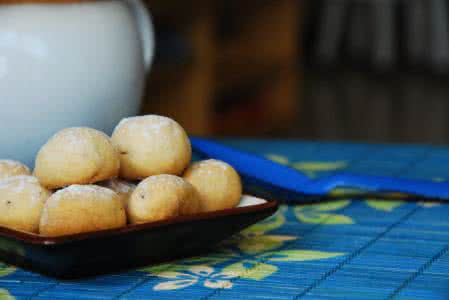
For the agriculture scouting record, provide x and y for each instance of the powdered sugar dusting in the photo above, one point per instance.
(202, 167)
(74, 136)
(12, 166)
(80, 192)
(218, 163)
(123, 122)
(147, 125)
(21, 184)
(20, 181)
(12, 163)
(120, 186)
(162, 179)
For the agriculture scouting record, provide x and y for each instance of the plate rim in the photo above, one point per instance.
(35, 239)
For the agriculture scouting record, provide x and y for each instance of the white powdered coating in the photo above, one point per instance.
(162, 179)
(120, 186)
(74, 137)
(12, 165)
(20, 184)
(123, 122)
(149, 124)
(78, 136)
(203, 167)
(204, 171)
(20, 180)
(78, 189)
(214, 162)
(81, 192)
(9, 162)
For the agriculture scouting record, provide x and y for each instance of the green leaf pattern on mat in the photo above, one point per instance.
(383, 205)
(274, 222)
(299, 255)
(326, 219)
(310, 168)
(4, 271)
(258, 244)
(278, 158)
(251, 269)
(254, 254)
(5, 295)
(320, 213)
(203, 274)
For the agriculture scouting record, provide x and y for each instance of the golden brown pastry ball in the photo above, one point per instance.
(160, 197)
(217, 183)
(81, 208)
(77, 155)
(151, 145)
(22, 199)
(11, 168)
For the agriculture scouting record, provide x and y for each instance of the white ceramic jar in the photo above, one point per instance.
(72, 64)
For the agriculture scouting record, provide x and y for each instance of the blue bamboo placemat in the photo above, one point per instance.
(347, 249)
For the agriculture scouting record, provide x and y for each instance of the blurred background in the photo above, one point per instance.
(358, 70)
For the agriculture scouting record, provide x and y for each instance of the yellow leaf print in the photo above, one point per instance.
(5, 295)
(327, 206)
(313, 214)
(278, 158)
(273, 222)
(6, 270)
(345, 191)
(170, 275)
(258, 244)
(383, 205)
(328, 219)
(312, 168)
(318, 166)
(300, 255)
(249, 269)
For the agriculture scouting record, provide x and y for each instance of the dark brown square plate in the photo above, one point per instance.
(100, 252)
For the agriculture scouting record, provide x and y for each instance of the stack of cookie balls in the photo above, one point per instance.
(86, 181)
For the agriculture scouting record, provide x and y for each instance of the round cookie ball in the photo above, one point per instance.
(81, 208)
(22, 199)
(123, 189)
(11, 168)
(77, 155)
(160, 197)
(217, 183)
(151, 145)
